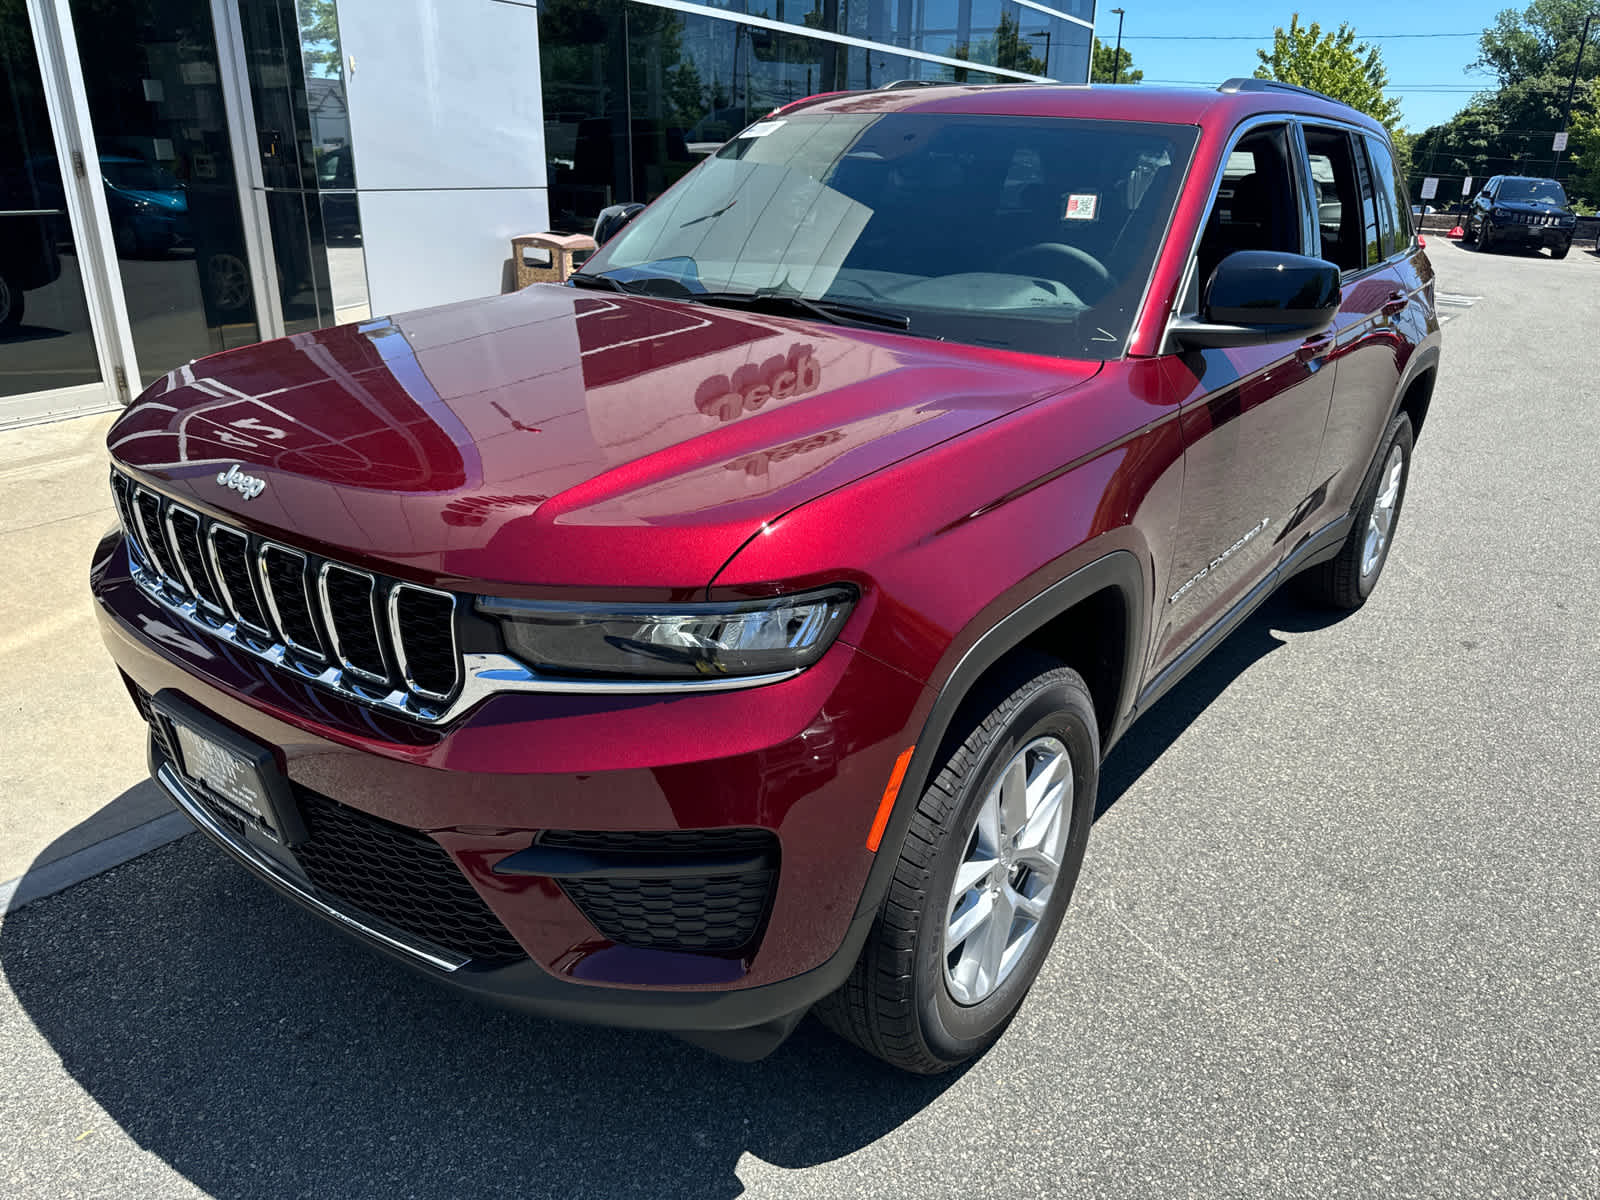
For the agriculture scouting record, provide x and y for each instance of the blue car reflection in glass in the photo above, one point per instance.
(148, 205)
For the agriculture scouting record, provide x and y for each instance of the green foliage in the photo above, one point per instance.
(1510, 129)
(1112, 65)
(1334, 64)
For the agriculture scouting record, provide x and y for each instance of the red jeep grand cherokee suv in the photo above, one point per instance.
(740, 629)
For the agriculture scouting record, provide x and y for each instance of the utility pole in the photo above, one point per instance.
(1566, 109)
(1116, 55)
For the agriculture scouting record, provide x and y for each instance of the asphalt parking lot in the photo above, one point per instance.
(1338, 933)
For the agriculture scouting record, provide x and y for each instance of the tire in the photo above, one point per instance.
(1346, 580)
(12, 302)
(1485, 237)
(910, 999)
(1469, 236)
(1561, 250)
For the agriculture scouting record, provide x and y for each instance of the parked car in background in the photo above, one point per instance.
(149, 207)
(738, 630)
(1521, 212)
(28, 257)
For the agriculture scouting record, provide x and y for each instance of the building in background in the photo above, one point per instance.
(179, 177)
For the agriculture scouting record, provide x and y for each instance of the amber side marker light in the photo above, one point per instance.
(886, 805)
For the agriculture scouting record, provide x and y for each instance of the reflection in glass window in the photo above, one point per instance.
(871, 210)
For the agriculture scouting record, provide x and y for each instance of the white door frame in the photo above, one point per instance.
(67, 102)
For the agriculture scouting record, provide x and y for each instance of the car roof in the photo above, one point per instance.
(1106, 102)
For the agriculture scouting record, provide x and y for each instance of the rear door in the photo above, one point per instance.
(1254, 417)
(1363, 235)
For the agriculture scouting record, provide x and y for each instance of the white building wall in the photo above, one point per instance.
(447, 126)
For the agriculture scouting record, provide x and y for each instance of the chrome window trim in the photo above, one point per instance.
(307, 893)
(314, 652)
(332, 627)
(1168, 344)
(399, 642)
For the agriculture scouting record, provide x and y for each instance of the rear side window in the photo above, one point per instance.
(1394, 214)
(1346, 216)
(1405, 234)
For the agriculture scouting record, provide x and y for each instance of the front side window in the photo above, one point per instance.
(1531, 191)
(1257, 204)
(1033, 234)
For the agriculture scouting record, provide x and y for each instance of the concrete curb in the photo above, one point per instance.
(80, 865)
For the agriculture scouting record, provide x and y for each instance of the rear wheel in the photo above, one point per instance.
(1346, 580)
(11, 303)
(983, 878)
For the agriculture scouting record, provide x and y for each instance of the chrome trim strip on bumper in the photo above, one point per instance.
(362, 923)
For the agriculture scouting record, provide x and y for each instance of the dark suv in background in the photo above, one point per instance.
(739, 630)
(1522, 212)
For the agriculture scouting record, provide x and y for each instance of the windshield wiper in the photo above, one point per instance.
(601, 282)
(835, 312)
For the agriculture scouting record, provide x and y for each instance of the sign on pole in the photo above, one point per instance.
(1561, 142)
(1466, 186)
(1430, 187)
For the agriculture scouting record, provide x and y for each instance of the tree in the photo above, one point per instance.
(1509, 129)
(1334, 64)
(1113, 66)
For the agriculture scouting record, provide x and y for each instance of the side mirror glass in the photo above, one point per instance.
(611, 220)
(1258, 296)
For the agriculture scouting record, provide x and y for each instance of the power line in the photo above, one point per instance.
(1267, 37)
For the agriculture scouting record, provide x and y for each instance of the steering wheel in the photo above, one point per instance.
(1078, 262)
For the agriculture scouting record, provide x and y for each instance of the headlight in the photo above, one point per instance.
(673, 641)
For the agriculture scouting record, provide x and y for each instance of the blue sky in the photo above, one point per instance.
(1429, 73)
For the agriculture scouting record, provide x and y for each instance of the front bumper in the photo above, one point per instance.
(1531, 235)
(805, 759)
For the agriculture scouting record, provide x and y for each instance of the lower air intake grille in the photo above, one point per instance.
(400, 875)
(708, 911)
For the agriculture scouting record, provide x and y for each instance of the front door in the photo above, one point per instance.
(1253, 421)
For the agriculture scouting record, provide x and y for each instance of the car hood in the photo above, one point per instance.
(1537, 207)
(558, 438)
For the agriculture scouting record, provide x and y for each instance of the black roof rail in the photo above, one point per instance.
(1249, 84)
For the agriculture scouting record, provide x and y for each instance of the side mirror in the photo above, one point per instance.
(611, 220)
(1260, 296)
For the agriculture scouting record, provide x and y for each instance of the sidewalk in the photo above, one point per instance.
(72, 758)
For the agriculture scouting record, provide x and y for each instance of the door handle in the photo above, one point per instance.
(1313, 348)
(1394, 305)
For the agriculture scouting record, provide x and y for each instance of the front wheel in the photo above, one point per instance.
(1561, 250)
(983, 878)
(1346, 580)
(1485, 237)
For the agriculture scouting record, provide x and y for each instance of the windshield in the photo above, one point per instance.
(1532, 191)
(1033, 234)
(139, 176)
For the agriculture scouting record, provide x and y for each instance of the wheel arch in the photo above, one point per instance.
(1113, 587)
(1415, 392)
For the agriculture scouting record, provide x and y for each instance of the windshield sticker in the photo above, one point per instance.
(1081, 208)
(762, 128)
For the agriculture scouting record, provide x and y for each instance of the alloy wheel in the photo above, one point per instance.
(1384, 506)
(1003, 885)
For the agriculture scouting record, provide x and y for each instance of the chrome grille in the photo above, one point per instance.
(388, 644)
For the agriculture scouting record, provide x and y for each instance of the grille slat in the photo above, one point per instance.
(153, 537)
(230, 555)
(422, 624)
(283, 576)
(347, 609)
(183, 529)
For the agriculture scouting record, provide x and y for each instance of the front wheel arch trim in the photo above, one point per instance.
(1119, 569)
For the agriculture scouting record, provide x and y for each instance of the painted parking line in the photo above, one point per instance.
(1451, 305)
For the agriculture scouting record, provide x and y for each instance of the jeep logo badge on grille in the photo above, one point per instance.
(247, 486)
